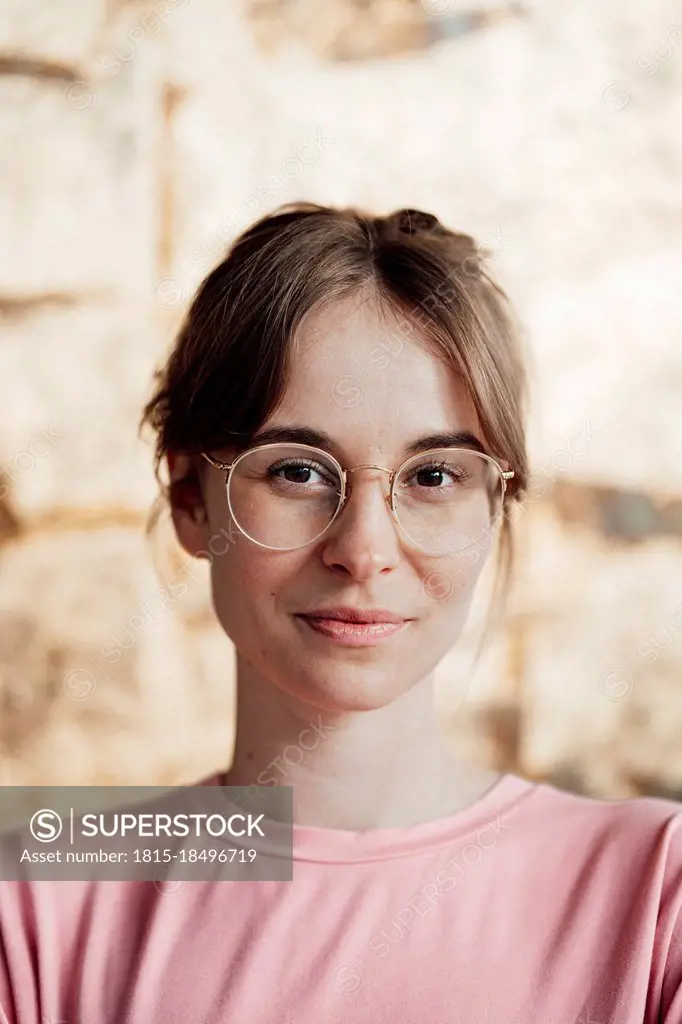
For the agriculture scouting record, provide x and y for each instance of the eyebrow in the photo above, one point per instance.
(320, 439)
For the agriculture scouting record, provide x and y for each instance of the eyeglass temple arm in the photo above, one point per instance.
(216, 463)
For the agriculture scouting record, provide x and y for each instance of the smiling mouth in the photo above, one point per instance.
(353, 634)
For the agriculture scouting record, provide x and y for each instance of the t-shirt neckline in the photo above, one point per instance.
(335, 845)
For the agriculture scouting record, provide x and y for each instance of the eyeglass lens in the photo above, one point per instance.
(285, 496)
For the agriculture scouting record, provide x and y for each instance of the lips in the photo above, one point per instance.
(359, 615)
(353, 633)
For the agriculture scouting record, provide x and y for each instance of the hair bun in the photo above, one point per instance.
(459, 248)
(409, 221)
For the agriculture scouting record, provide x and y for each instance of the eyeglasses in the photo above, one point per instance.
(285, 496)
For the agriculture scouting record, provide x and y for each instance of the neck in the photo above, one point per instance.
(383, 768)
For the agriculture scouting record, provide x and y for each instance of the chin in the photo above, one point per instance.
(353, 687)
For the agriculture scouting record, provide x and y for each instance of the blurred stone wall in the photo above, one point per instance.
(136, 140)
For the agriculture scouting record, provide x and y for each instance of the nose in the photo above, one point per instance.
(363, 540)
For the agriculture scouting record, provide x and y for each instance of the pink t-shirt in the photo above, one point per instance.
(532, 906)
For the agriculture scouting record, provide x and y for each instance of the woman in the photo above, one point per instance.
(345, 403)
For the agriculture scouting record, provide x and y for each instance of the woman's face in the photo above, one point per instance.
(374, 386)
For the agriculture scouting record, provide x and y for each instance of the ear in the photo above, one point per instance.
(188, 510)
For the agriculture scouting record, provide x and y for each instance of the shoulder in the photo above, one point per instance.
(640, 822)
(622, 852)
(56, 914)
(615, 865)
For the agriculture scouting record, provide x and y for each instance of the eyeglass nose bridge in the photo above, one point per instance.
(388, 498)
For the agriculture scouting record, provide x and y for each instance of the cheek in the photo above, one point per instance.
(452, 581)
(249, 586)
(448, 593)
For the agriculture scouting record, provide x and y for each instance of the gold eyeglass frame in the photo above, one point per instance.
(227, 468)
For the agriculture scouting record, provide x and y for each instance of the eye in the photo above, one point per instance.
(436, 475)
(301, 472)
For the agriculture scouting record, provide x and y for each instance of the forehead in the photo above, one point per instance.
(368, 377)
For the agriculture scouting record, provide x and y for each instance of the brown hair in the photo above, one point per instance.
(229, 367)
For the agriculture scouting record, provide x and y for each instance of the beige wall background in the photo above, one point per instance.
(136, 140)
